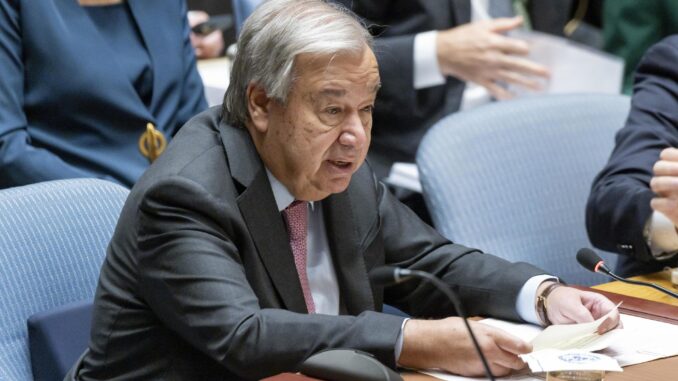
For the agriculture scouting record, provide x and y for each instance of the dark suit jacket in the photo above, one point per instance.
(619, 204)
(67, 107)
(199, 282)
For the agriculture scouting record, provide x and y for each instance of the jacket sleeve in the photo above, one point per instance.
(619, 203)
(192, 277)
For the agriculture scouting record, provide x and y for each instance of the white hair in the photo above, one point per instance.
(274, 35)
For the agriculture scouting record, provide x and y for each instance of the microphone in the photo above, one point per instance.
(387, 275)
(592, 262)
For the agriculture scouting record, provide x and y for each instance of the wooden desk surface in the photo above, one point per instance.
(661, 278)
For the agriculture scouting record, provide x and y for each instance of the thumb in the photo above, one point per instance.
(502, 25)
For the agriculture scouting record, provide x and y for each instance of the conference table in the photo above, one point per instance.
(638, 301)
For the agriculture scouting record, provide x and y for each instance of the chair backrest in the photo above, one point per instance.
(241, 10)
(53, 239)
(512, 178)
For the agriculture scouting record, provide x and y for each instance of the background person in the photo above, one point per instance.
(80, 82)
(633, 206)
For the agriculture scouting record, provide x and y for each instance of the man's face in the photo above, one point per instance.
(315, 142)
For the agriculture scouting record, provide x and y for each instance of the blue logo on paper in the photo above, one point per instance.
(579, 358)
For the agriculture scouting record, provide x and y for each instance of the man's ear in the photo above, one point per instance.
(258, 104)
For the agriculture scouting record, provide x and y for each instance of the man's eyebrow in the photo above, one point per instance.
(332, 92)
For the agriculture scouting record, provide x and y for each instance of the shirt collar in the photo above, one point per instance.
(283, 197)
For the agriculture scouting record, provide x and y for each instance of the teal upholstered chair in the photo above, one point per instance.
(512, 178)
(53, 238)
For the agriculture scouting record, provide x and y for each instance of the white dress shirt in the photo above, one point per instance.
(427, 72)
(661, 236)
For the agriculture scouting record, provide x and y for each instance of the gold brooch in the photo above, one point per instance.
(152, 143)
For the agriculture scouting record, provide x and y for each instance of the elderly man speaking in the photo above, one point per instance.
(246, 247)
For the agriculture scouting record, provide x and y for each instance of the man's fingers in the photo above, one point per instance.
(518, 79)
(509, 361)
(667, 206)
(522, 66)
(509, 45)
(665, 168)
(511, 344)
(669, 154)
(664, 185)
(507, 349)
(495, 90)
(609, 324)
(502, 25)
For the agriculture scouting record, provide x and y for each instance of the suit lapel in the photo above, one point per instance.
(164, 63)
(264, 222)
(344, 238)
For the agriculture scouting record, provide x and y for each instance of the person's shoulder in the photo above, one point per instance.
(666, 47)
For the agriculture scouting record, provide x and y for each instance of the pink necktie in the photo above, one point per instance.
(296, 220)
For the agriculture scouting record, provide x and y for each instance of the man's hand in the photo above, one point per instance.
(665, 184)
(479, 53)
(206, 46)
(445, 344)
(567, 305)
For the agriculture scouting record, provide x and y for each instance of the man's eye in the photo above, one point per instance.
(369, 109)
(333, 110)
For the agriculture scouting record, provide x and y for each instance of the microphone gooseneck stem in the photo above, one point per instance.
(646, 284)
(445, 289)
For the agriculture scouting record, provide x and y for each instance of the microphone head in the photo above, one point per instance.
(383, 275)
(589, 259)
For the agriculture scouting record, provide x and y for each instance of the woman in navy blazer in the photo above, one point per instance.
(80, 84)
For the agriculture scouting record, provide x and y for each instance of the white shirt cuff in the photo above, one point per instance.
(526, 303)
(426, 70)
(399, 341)
(662, 237)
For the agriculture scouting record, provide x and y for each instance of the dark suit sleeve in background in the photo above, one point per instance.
(619, 204)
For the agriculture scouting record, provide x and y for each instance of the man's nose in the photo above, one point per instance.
(353, 134)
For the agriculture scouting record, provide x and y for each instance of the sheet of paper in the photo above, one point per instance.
(575, 68)
(582, 336)
(641, 340)
(451, 377)
(554, 360)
